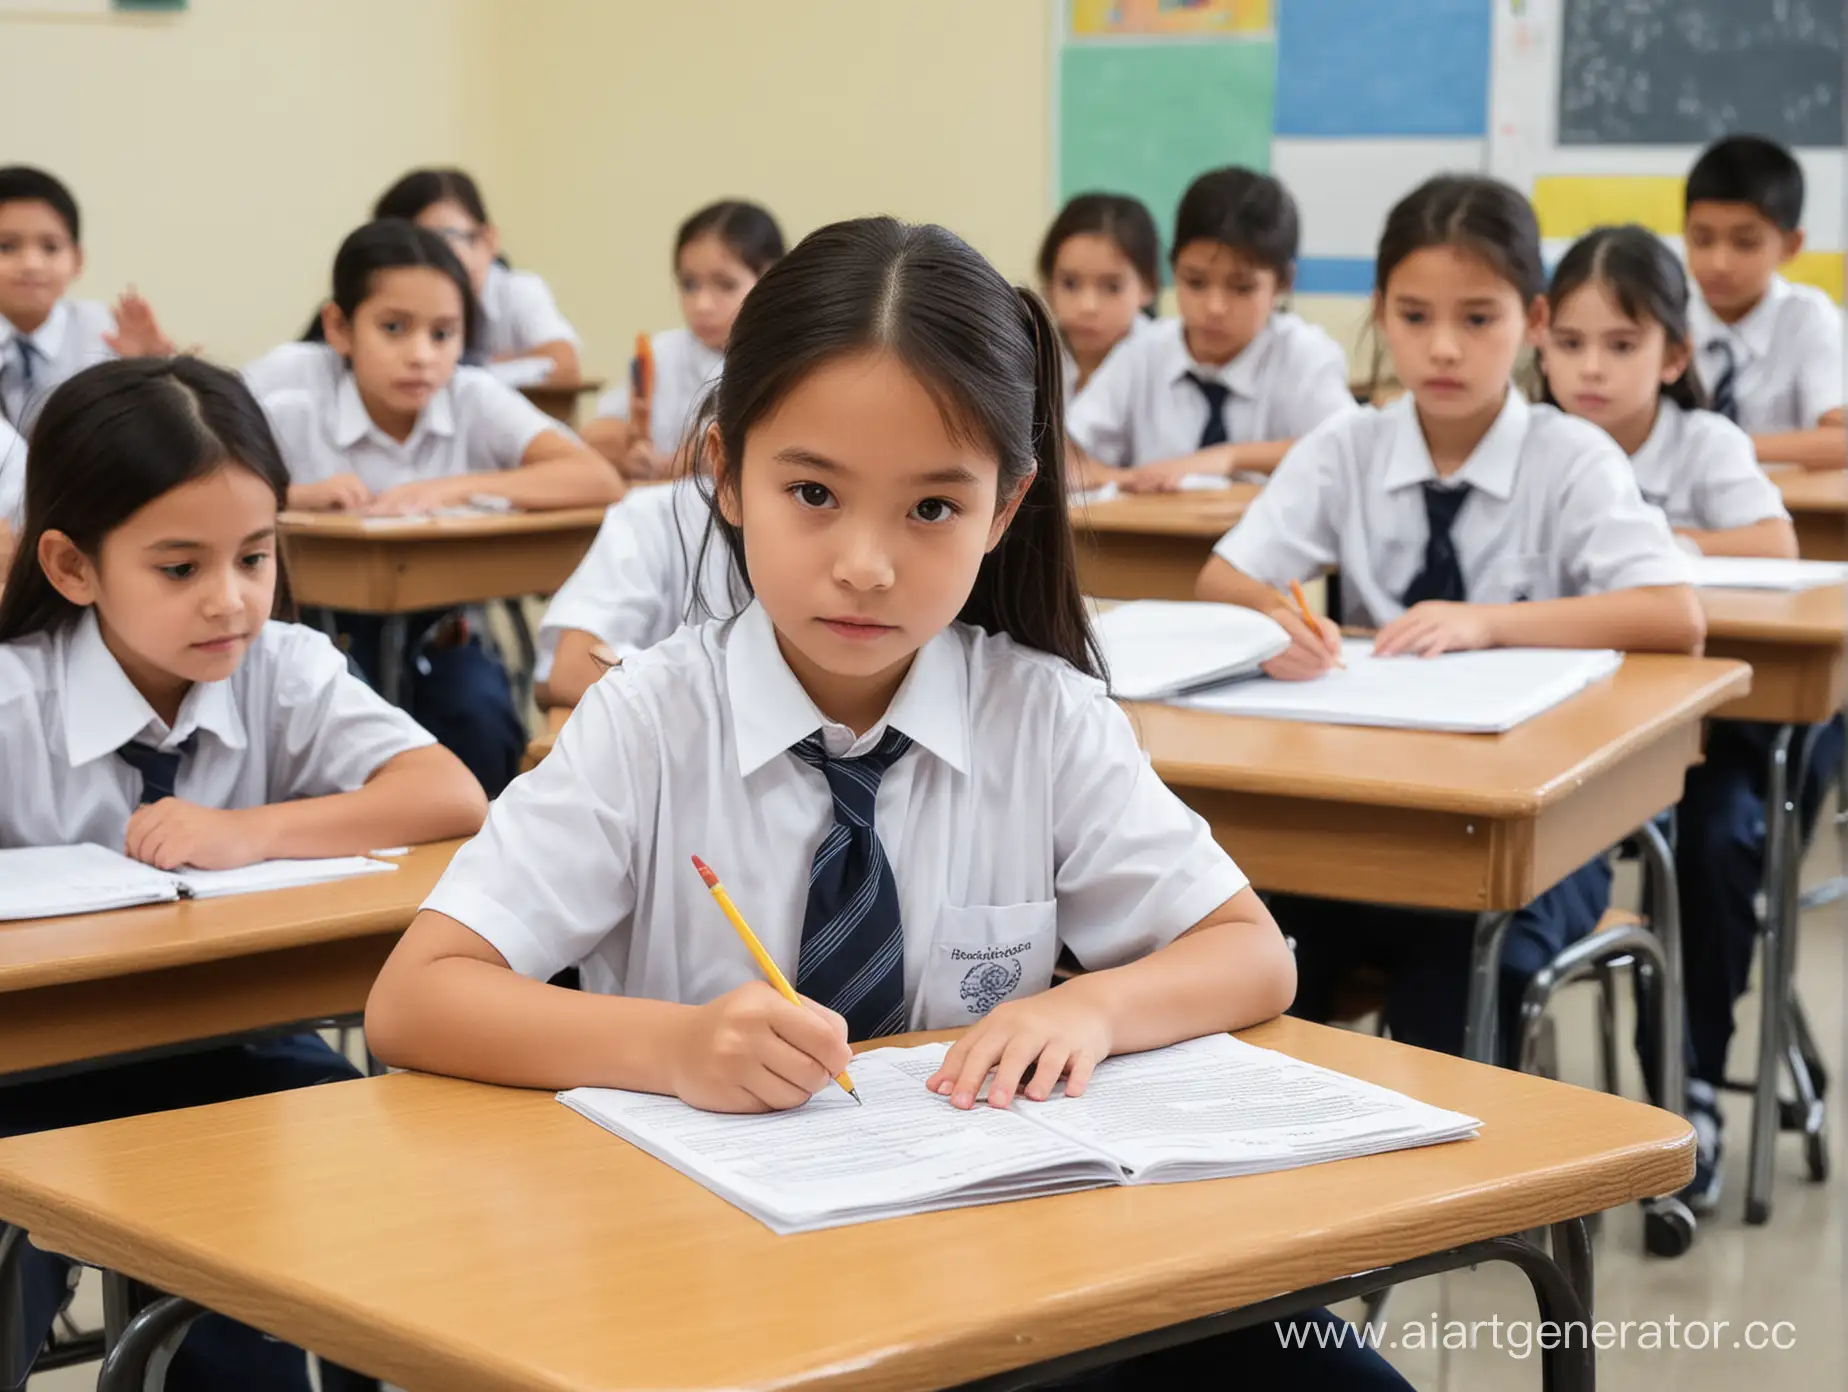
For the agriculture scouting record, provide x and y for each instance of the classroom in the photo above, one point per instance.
(988, 694)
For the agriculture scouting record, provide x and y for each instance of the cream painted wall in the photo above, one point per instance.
(219, 155)
(630, 115)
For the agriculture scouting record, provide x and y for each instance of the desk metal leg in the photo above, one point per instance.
(137, 1361)
(1665, 922)
(1484, 1006)
(394, 638)
(15, 1357)
(1561, 1289)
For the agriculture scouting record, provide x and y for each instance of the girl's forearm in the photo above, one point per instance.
(1770, 536)
(1663, 618)
(421, 795)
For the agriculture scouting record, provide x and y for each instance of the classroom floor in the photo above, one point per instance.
(1790, 1270)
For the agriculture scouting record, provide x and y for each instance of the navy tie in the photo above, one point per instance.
(853, 945)
(1442, 576)
(1725, 391)
(1216, 394)
(159, 768)
(24, 351)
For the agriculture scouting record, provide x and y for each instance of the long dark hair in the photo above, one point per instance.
(386, 245)
(110, 441)
(1126, 222)
(988, 352)
(746, 229)
(1646, 280)
(422, 187)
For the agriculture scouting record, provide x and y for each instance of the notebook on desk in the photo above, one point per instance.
(1190, 483)
(51, 881)
(1486, 692)
(1765, 573)
(1210, 1108)
(1158, 648)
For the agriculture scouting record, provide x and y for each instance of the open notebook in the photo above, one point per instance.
(1483, 692)
(1157, 648)
(48, 881)
(1765, 573)
(1207, 1109)
(1190, 483)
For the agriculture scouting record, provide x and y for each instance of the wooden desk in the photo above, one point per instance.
(1152, 545)
(559, 400)
(541, 745)
(451, 1235)
(1795, 645)
(74, 989)
(1818, 503)
(401, 565)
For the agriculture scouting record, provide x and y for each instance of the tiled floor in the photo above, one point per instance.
(1790, 1271)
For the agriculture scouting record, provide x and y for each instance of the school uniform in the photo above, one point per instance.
(1780, 367)
(655, 564)
(1546, 507)
(1000, 811)
(473, 425)
(1152, 400)
(82, 749)
(12, 478)
(1702, 472)
(1068, 365)
(518, 313)
(73, 337)
(685, 369)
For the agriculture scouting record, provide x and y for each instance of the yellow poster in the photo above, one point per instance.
(1093, 19)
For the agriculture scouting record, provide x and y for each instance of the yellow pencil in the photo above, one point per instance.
(1302, 606)
(764, 960)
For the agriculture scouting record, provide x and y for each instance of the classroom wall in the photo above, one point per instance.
(218, 155)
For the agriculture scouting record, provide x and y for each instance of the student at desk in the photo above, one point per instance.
(1459, 517)
(1100, 270)
(381, 418)
(1229, 384)
(148, 703)
(900, 755)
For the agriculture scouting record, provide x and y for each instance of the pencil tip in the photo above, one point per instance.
(705, 872)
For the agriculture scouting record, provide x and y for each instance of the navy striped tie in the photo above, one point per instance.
(853, 945)
(159, 768)
(1725, 391)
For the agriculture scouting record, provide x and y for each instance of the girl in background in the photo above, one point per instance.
(1100, 270)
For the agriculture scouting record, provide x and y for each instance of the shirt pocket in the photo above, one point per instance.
(983, 955)
(1514, 578)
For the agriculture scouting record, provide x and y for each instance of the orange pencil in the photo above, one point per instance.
(641, 385)
(1302, 607)
(764, 960)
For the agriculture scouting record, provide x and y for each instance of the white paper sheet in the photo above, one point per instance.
(1485, 692)
(1765, 573)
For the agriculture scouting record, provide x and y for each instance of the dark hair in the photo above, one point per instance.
(1473, 213)
(1749, 169)
(1125, 221)
(21, 183)
(748, 231)
(1251, 213)
(387, 245)
(1646, 280)
(989, 354)
(111, 440)
(421, 188)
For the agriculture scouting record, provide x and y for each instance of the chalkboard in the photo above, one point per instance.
(1685, 72)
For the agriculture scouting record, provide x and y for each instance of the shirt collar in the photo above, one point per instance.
(771, 712)
(1753, 332)
(112, 712)
(48, 338)
(352, 422)
(1240, 376)
(1490, 466)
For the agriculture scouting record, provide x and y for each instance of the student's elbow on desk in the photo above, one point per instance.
(440, 798)
(1677, 622)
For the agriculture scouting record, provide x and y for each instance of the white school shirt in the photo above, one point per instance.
(1701, 470)
(1787, 356)
(12, 477)
(684, 369)
(1555, 513)
(1139, 407)
(1025, 818)
(518, 313)
(475, 424)
(70, 339)
(635, 584)
(290, 722)
(1068, 365)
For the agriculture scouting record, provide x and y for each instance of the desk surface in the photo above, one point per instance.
(1813, 490)
(1795, 645)
(347, 526)
(1207, 514)
(1802, 618)
(447, 1234)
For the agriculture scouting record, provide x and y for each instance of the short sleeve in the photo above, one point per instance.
(553, 873)
(295, 421)
(1099, 418)
(12, 477)
(496, 422)
(291, 366)
(631, 589)
(1607, 536)
(1316, 389)
(329, 732)
(1290, 530)
(1136, 867)
(1818, 356)
(1730, 489)
(536, 318)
